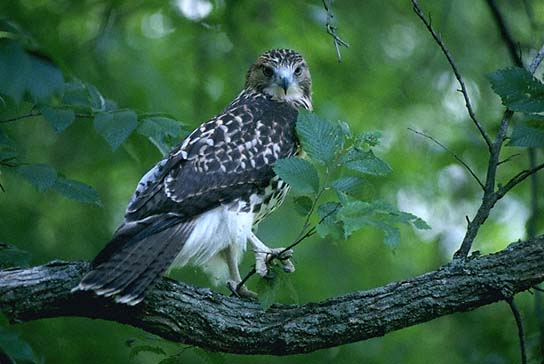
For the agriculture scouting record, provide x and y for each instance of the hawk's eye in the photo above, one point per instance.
(267, 71)
(298, 71)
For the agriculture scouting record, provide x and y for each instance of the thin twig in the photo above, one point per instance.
(505, 33)
(537, 60)
(491, 196)
(519, 323)
(38, 113)
(467, 167)
(438, 40)
(24, 116)
(331, 30)
(303, 234)
(517, 179)
(508, 159)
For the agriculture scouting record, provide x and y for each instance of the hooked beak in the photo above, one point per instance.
(285, 82)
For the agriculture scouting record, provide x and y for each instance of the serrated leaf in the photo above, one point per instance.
(300, 174)
(336, 231)
(344, 129)
(41, 176)
(303, 205)
(145, 349)
(527, 136)
(115, 127)
(366, 162)
(421, 224)
(319, 139)
(329, 226)
(391, 235)
(350, 185)
(328, 211)
(518, 89)
(59, 118)
(369, 138)
(158, 129)
(355, 215)
(77, 191)
(11, 256)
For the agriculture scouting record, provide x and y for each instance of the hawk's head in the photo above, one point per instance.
(284, 75)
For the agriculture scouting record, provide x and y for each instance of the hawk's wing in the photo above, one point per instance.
(228, 157)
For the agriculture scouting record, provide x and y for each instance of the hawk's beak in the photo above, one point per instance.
(285, 82)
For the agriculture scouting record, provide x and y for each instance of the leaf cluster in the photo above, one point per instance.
(520, 91)
(30, 80)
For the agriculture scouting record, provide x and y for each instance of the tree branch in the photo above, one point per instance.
(505, 33)
(463, 163)
(331, 30)
(438, 40)
(197, 316)
(519, 323)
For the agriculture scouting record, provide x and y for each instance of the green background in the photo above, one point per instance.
(151, 57)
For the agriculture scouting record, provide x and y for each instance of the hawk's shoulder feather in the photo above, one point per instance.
(228, 157)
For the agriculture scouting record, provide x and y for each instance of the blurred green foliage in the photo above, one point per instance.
(148, 64)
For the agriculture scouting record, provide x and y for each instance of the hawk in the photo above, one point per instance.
(202, 202)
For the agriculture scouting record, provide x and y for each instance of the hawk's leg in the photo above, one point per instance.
(264, 255)
(235, 278)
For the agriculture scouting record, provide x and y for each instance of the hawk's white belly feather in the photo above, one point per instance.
(216, 231)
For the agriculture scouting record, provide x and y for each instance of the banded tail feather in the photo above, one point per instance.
(135, 258)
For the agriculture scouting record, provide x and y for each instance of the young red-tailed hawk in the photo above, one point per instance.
(202, 202)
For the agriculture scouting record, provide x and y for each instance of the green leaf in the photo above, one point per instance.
(115, 127)
(8, 148)
(84, 97)
(17, 350)
(319, 139)
(344, 130)
(420, 224)
(11, 256)
(268, 289)
(77, 96)
(59, 118)
(158, 129)
(350, 185)
(329, 226)
(44, 80)
(15, 66)
(41, 176)
(366, 162)
(355, 215)
(303, 205)
(300, 174)
(391, 235)
(524, 135)
(77, 191)
(97, 101)
(518, 89)
(145, 349)
(369, 138)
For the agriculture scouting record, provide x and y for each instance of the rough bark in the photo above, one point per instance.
(196, 316)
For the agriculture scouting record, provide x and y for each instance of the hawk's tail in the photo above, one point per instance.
(134, 259)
